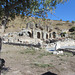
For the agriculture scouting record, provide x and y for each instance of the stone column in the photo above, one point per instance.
(48, 35)
(44, 37)
(3, 29)
(0, 46)
(34, 33)
(56, 35)
(40, 35)
(51, 35)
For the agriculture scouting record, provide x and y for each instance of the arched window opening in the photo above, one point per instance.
(20, 34)
(54, 35)
(46, 36)
(38, 35)
(30, 35)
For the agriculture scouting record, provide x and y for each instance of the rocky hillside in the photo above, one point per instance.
(19, 23)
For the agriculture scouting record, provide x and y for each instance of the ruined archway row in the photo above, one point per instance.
(39, 34)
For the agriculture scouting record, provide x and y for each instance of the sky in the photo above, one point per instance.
(64, 11)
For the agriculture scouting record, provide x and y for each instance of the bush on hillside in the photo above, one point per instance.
(60, 19)
(63, 34)
(36, 17)
(67, 21)
(72, 29)
(43, 19)
(73, 21)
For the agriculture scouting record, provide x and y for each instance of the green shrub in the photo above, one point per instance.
(36, 17)
(73, 21)
(59, 24)
(72, 29)
(43, 19)
(44, 54)
(60, 19)
(48, 19)
(31, 51)
(63, 34)
(43, 65)
(67, 21)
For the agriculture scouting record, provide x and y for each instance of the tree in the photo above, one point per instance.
(10, 8)
(60, 19)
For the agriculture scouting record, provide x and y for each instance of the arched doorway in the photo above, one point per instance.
(46, 36)
(38, 35)
(54, 35)
(30, 35)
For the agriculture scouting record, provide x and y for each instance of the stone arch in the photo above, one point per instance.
(38, 35)
(30, 35)
(46, 36)
(54, 34)
(30, 25)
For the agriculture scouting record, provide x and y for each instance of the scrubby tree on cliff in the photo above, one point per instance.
(10, 8)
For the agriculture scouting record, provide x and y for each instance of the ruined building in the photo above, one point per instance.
(33, 31)
(38, 31)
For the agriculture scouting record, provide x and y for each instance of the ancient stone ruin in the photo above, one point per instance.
(32, 34)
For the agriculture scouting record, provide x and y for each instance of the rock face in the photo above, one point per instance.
(66, 43)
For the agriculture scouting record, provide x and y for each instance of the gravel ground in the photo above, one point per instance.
(20, 60)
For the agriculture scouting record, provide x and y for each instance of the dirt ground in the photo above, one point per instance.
(21, 60)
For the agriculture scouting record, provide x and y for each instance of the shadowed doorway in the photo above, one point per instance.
(38, 35)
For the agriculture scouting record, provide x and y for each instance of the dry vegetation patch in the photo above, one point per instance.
(31, 61)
